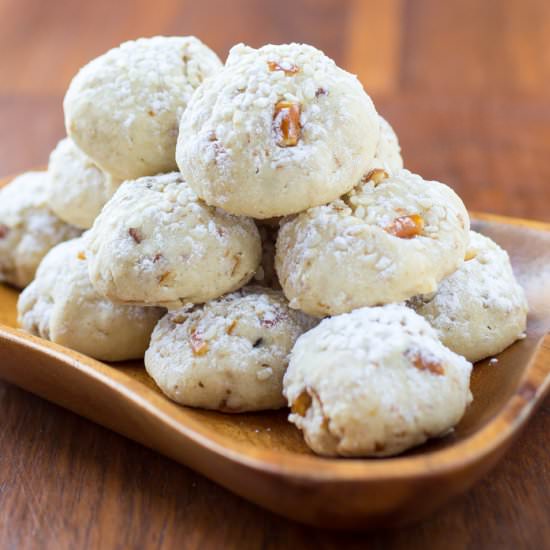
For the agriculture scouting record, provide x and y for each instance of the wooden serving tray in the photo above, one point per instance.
(264, 459)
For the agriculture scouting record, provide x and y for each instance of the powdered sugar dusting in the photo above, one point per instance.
(229, 354)
(123, 108)
(236, 134)
(480, 309)
(30, 228)
(321, 251)
(377, 381)
(77, 188)
(186, 251)
(61, 305)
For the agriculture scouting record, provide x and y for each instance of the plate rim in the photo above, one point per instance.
(532, 387)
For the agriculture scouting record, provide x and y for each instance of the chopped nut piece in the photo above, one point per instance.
(289, 68)
(235, 266)
(163, 277)
(231, 327)
(286, 121)
(376, 176)
(470, 254)
(406, 227)
(81, 255)
(135, 234)
(4, 230)
(198, 345)
(179, 319)
(302, 404)
(426, 363)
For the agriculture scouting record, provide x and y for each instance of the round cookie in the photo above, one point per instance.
(155, 243)
(229, 354)
(389, 239)
(374, 382)
(278, 130)
(480, 309)
(123, 108)
(78, 188)
(28, 228)
(388, 151)
(61, 305)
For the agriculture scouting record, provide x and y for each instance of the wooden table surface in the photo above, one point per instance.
(466, 84)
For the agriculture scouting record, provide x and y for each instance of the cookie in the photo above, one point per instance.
(389, 239)
(123, 108)
(374, 382)
(388, 151)
(78, 187)
(229, 354)
(278, 130)
(28, 227)
(61, 305)
(480, 309)
(156, 243)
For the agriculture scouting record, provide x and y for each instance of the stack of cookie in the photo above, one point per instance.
(253, 232)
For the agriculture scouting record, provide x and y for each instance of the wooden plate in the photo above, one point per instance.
(263, 458)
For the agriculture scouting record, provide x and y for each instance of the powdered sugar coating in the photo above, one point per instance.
(229, 147)
(78, 188)
(335, 258)
(156, 243)
(229, 354)
(480, 309)
(28, 228)
(61, 305)
(374, 382)
(123, 108)
(388, 151)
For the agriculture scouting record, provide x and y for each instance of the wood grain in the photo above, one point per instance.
(470, 99)
(374, 44)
